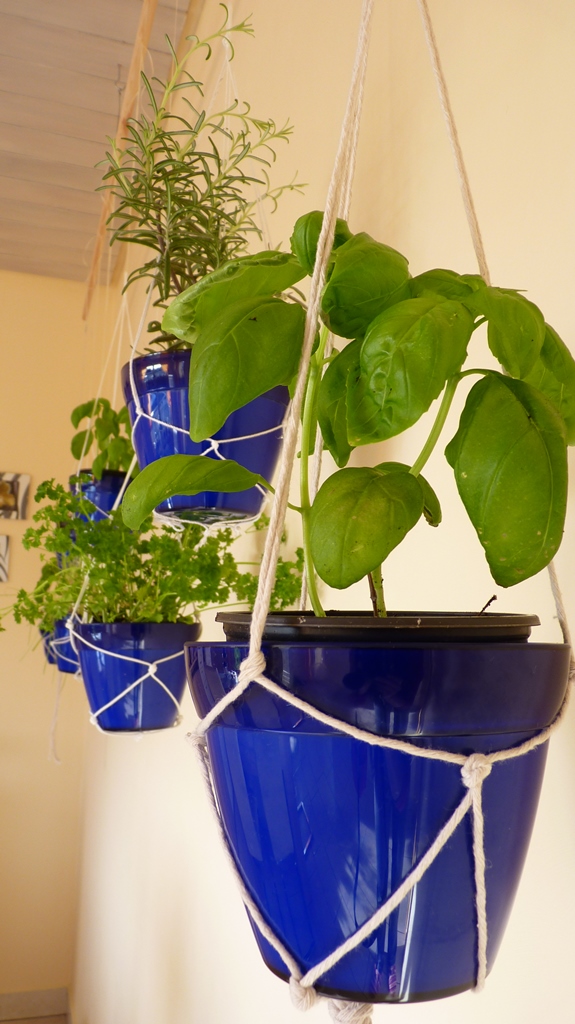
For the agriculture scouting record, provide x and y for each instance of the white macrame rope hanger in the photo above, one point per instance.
(474, 769)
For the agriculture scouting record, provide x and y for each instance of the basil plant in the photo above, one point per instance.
(404, 344)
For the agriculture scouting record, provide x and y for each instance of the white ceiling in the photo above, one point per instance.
(62, 66)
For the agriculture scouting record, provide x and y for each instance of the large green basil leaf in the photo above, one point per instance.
(306, 234)
(515, 329)
(407, 356)
(251, 347)
(440, 282)
(431, 506)
(264, 273)
(554, 375)
(332, 402)
(510, 464)
(182, 474)
(357, 518)
(367, 277)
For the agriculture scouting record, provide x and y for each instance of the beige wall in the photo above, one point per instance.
(163, 938)
(48, 362)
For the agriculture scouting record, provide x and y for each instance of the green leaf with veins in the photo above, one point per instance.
(431, 506)
(264, 273)
(554, 375)
(357, 518)
(182, 474)
(367, 277)
(440, 282)
(510, 464)
(332, 402)
(408, 354)
(306, 234)
(250, 348)
(515, 330)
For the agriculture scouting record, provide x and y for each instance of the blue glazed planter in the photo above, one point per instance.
(66, 657)
(105, 676)
(324, 828)
(162, 384)
(102, 493)
(48, 652)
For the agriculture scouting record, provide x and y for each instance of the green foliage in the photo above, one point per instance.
(510, 466)
(134, 576)
(187, 187)
(357, 518)
(251, 347)
(265, 273)
(108, 431)
(306, 234)
(181, 474)
(409, 352)
(408, 347)
(367, 277)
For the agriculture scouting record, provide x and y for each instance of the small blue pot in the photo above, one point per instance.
(62, 650)
(105, 676)
(162, 383)
(102, 493)
(324, 828)
(46, 641)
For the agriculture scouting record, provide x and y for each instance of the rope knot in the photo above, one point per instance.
(475, 770)
(252, 667)
(152, 668)
(302, 998)
(350, 1013)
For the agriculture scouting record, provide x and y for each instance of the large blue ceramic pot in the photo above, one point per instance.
(162, 384)
(106, 675)
(324, 828)
(61, 648)
(102, 493)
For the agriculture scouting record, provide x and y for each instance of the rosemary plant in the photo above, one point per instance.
(188, 187)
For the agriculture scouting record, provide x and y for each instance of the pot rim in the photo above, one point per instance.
(398, 626)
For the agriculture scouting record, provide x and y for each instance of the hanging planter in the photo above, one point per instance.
(324, 828)
(62, 649)
(101, 492)
(346, 773)
(161, 419)
(134, 673)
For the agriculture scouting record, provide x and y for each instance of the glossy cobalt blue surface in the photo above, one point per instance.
(162, 384)
(66, 657)
(324, 828)
(102, 493)
(105, 677)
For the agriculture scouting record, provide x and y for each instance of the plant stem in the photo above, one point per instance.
(437, 426)
(308, 425)
(376, 590)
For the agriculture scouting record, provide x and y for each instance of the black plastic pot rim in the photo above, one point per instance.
(397, 626)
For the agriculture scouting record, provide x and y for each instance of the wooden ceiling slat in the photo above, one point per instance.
(61, 118)
(53, 172)
(112, 19)
(55, 47)
(89, 92)
(57, 196)
(60, 61)
(20, 238)
(49, 266)
(46, 216)
(61, 148)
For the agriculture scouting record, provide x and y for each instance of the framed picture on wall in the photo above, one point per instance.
(4, 556)
(14, 488)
